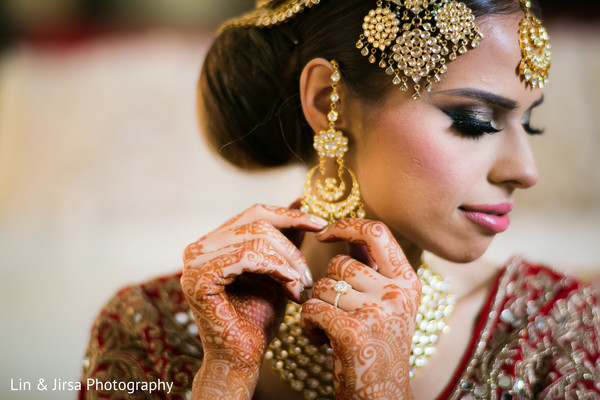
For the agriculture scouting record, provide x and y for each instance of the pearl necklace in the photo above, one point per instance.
(308, 368)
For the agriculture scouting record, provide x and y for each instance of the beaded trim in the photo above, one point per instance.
(437, 304)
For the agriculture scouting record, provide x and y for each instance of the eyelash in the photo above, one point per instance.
(532, 131)
(468, 126)
(476, 128)
(529, 129)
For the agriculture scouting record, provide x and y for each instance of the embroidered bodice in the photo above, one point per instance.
(538, 338)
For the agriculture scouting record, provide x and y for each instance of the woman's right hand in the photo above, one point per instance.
(236, 280)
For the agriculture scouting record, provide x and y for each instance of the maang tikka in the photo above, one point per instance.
(413, 39)
(326, 199)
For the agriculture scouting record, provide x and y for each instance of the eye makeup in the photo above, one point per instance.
(475, 120)
(526, 123)
(471, 122)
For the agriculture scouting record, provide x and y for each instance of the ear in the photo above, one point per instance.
(315, 89)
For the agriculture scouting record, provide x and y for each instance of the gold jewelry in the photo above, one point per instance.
(411, 39)
(264, 16)
(326, 201)
(340, 287)
(535, 49)
(308, 368)
(414, 39)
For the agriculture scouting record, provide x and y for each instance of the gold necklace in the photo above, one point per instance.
(308, 368)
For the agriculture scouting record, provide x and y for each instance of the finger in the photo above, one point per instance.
(210, 273)
(362, 277)
(193, 250)
(368, 285)
(279, 217)
(349, 301)
(261, 229)
(290, 220)
(296, 204)
(259, 257)
(380, 243)
(360, 253)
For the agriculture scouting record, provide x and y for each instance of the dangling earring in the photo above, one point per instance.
(535, 49)
(331, 143)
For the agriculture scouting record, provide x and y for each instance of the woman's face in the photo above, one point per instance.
(441, 171)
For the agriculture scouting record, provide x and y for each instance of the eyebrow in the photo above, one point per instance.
(537, 102)
(488, 97)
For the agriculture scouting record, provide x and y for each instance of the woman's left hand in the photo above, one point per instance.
(371, 329)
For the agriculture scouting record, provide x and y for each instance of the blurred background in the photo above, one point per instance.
(104, 178)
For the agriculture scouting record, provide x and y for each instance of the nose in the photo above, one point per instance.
(514, 164)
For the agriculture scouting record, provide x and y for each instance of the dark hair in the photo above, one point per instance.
(249, 87)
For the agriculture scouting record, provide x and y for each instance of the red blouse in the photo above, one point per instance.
(538, 338)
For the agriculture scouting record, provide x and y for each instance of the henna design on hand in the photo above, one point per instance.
(235, 280)
(237, 314)
(371, 336)
(265, 229)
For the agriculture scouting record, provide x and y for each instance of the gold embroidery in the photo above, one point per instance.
(528, 352)
(142, 335)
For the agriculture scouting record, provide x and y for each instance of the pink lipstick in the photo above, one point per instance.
(493, 217)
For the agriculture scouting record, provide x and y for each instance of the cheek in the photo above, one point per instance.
(408, 163)
(442, 167)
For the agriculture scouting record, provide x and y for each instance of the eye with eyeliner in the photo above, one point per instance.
(526, 123)
(469, 122)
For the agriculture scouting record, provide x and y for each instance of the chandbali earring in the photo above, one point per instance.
(535, 49)
(326, 199)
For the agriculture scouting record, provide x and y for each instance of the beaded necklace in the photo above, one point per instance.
(308, 368)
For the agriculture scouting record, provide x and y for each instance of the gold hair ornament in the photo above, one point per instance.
(535, 49)
(264, 16)
(413, 39)
(327, 200)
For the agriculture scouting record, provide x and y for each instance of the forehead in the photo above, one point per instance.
(493, 65)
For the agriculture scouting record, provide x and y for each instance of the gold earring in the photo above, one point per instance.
(535, 49)
(327, 200)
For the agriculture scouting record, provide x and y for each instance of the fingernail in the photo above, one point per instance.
(309, 278)
(322, 231)
(293, 272)
(318, 220)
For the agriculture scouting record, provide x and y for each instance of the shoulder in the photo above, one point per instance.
(525, 287)
(157, 305)
(539, 337)
(145, 333)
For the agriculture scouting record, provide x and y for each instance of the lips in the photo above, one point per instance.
(492, 217)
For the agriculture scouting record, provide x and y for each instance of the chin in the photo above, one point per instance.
(462, 253)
